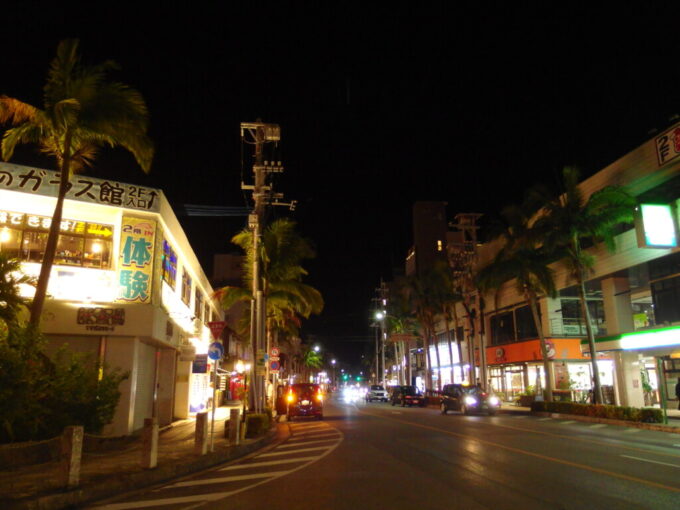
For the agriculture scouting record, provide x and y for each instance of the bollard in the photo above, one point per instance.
(201, 438)
(150, 443)
(234, 422)
(71, 454)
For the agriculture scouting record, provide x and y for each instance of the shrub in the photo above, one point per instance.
(257, 424)
(635, 414)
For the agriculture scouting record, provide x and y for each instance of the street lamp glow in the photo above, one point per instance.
(333, 362)
(317, 348)
(379, 315)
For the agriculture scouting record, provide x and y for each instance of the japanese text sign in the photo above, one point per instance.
(136, 259)
(82, 188)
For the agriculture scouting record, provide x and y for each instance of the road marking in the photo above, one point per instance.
(236, 478)
(631, 431)
(295, 445)
(544, 419)
(299, 450)
(268, 463)
(652, 461)
(532, 454)
(306, 426)
(166, 501)
(567, 422)
(597, 426)
(307, 437)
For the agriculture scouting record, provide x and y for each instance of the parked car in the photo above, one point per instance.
(468, 399)
(407, 396)
(304, 400)
(376, 392)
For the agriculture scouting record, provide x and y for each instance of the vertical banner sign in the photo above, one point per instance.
(135, 265)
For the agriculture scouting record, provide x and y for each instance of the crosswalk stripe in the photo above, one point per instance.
(300, 450)
(305, 443)
(309, 427)
(307, 437)
(268, 463)
(236, 478)
(166, 501)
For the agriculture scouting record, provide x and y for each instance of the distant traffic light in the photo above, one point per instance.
(358, 378)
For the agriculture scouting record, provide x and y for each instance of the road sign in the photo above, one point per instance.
(215, 351)
(216, 328)
(275, 352)
(274, 366)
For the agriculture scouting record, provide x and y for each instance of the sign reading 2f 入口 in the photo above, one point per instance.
(136, 260)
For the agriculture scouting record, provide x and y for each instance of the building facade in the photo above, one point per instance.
(633, 296)
(126, 287)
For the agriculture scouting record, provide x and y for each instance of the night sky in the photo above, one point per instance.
(379, 107)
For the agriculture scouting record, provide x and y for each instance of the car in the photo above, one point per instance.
(376, 392)
(304, 399)
(407, 396)
(468, 400)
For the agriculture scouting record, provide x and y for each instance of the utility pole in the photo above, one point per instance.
(382, 303)
(258, 134)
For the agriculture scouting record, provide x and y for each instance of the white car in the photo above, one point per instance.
(376, 392)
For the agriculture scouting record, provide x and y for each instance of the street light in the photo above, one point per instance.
(317, 348)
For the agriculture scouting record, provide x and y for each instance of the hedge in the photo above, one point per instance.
(646, 415)
(257, 424)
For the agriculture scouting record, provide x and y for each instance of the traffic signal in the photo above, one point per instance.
(358, 378)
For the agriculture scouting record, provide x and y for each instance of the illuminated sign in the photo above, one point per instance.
(85, 189)
(135, 272)
(101, 319)
(648, 339)
(655, 226)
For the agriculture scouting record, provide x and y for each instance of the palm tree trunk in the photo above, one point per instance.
(548, 393)
(597, 390)
(52, 237)
(439, 363)
(458, 342)
(428, 361)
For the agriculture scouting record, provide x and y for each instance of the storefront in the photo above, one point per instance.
(517, 368)
(126, 286)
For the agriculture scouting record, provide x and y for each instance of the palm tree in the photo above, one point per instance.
(570, 221)
(521, 260)
(82, 113)
(11, 301)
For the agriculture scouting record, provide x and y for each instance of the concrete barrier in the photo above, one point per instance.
(201, 437)
(150, 443)
(71, 455)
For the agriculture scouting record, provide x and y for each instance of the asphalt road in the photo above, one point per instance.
(375, 456)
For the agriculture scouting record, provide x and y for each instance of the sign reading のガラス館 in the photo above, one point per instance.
(82, 188)
(135, 262)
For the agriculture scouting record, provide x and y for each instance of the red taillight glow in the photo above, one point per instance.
(290, 397)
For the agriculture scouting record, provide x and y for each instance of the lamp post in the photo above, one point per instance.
(244, 368)
(381, 315)
(333, 365)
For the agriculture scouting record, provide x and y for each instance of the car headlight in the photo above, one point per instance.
(471, 401)
(494, 401)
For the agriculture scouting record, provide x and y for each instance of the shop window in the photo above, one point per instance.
(10, 241)
(524, 323)
(664, 266)
(186, 287)
(643, 314)
(69, 251)
(666, 296)
(169, 265)
(33, 246)
(97, 253)
(502, 328)
(198, 304)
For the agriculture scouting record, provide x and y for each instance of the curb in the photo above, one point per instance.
(659, 427)
(122, 483)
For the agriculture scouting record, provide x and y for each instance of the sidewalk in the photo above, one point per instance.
(104, 474)
(673, 425)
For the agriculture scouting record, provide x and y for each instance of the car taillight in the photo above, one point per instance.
(291, 397)
(319, 397)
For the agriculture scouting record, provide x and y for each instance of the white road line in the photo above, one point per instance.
(275, 453)
(568, 422)
(678, 445)
(597, 426)
(631, 431)
(544, 419)
(236, 478)
(268, 463)
(305, 443)
(316, 435)
(166, 501)
(305, 426)
(652, 461)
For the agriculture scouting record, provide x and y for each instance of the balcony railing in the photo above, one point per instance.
(574, 327)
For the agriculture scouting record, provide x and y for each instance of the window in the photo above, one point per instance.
(80, 244)
(502, 328)
(666, 296)
(524, 323)
(169, 265)
(198, 304)
(186, 287)
(206, 312)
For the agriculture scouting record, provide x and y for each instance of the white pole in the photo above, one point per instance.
(214, 405)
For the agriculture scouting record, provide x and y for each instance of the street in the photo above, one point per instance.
(375, 456)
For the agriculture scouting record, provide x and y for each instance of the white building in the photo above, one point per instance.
(126, 287)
